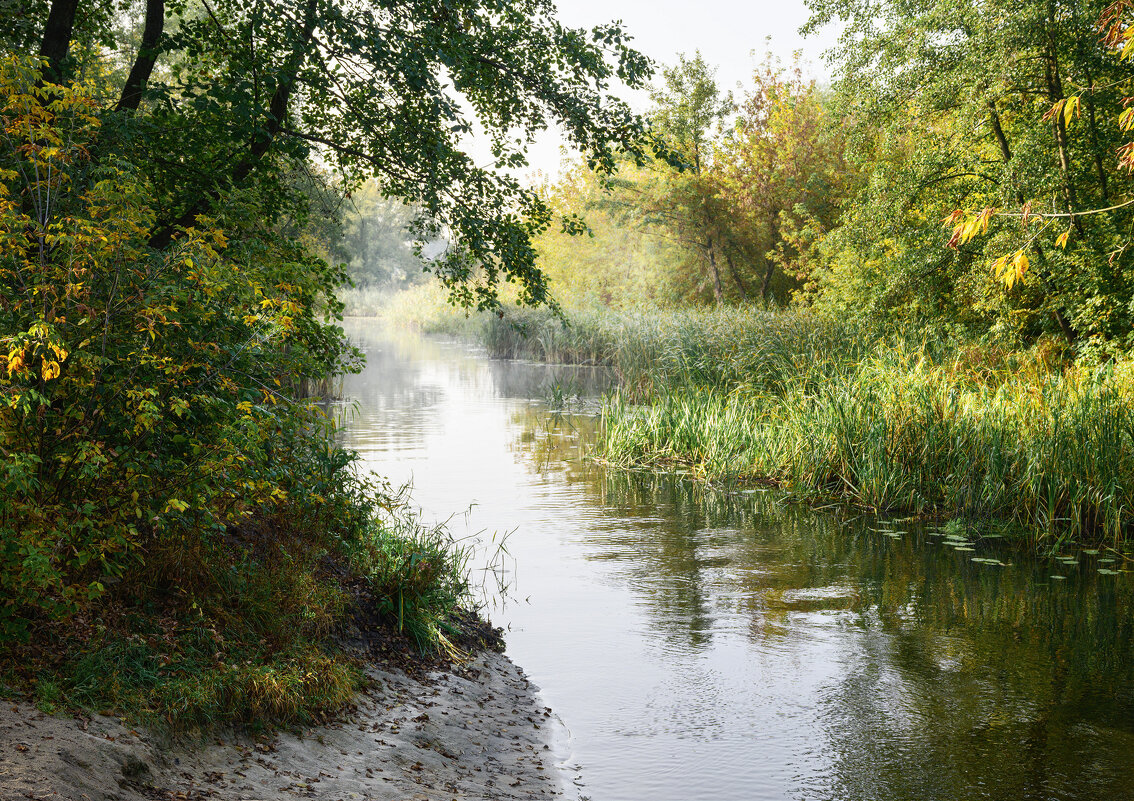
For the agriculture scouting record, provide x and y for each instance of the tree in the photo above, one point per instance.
(680, 201)
(948, 103)
(376, 240)
(782, 175)
(389, 90)
(163, 295)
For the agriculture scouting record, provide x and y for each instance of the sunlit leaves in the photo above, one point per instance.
(134, 394)
(1010, 269)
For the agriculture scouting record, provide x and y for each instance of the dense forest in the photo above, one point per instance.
(967, 170)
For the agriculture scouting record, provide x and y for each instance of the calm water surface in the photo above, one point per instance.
(709, 646)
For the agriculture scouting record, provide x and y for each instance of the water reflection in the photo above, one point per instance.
(726, 645)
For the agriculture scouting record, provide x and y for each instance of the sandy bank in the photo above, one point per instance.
(477, 732)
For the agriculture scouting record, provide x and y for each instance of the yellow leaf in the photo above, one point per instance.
(1070, 108)
(1061, 240)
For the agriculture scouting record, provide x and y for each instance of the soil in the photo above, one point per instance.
(420, 731)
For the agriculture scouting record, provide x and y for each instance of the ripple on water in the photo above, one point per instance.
(716, 646)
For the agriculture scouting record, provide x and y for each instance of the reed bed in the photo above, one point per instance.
(657, 350)
(1049, 451)
(826, 408)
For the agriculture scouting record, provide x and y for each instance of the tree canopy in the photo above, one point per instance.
(220, 96)
(168, 182)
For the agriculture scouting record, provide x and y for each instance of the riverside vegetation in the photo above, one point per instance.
(1023, 441)
(182, 540)
(909, 289)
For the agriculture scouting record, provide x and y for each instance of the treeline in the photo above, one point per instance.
(966, 173)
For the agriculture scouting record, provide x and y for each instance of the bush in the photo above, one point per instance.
(179, 534)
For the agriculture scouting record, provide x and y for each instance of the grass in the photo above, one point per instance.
(826, 409)
(899, 428)
(257, 638)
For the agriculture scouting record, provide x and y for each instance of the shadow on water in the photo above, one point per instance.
(965, 680)
(707, 644)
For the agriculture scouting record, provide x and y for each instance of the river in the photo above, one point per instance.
(711, 645)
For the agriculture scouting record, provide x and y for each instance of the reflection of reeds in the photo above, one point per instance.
(1052, 451)
(823, 408)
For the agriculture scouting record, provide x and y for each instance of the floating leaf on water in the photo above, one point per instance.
(1091, 551)
(1058, 578)
(963, 548)
(1106, 561)
(1107, 571)
(1069, 560)
(992, 536)
(894, 535)
(984, 560)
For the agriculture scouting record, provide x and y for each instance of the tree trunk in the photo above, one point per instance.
(736, 276)
(57, 38)
(1002, 140)
(1096, 143)
(769, 264)
(277, 117)
(147, 56)
(1055, 94)
(718, 291)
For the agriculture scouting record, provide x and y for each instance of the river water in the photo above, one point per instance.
(708, 645)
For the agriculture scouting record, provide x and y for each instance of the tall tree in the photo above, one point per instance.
(383, 89)
(680, 202)
(782, 174)
(950, 103)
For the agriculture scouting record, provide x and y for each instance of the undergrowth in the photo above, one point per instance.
(965, 432)
(256, 638)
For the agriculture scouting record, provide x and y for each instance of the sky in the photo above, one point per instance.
(731, 35)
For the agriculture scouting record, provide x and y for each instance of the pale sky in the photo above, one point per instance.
(725, 31)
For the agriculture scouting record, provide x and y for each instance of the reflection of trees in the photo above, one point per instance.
(957, 680)
(962, 680)
(969, 673)
(515, 379)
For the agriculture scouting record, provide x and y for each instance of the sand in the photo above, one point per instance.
(474, 732)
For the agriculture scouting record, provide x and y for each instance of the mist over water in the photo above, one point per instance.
(725, 645)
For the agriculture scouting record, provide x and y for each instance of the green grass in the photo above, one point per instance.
(255, 639)
(901, 429)
(825, 408)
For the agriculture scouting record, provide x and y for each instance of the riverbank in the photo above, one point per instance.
(1029, 443)
(476, 730)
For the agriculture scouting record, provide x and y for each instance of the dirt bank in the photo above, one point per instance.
(473, 732)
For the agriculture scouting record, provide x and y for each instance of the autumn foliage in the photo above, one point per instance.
(143, 410)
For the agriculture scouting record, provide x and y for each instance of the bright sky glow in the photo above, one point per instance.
(731, 34)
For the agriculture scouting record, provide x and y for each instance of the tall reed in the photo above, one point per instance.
(1050, 451)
